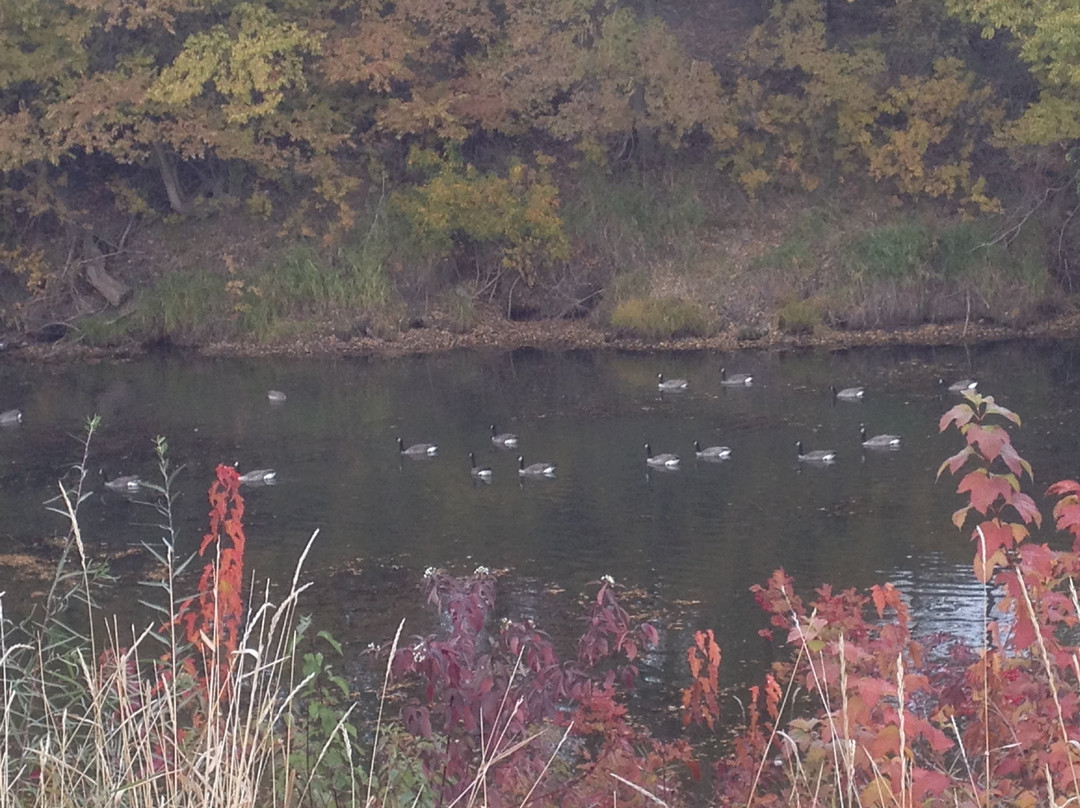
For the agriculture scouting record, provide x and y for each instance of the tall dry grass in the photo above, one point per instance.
(96, 713)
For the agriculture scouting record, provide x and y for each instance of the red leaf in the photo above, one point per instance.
(1026, 507)
(956, 461)
(1063, 487)
(989, 438)
(1014, 461)
(1038, 557)
(960, 415)
(984, 488)
(996, 534)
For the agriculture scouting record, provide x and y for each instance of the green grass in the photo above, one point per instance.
(896, 252)
(632, 211)
(653, 318)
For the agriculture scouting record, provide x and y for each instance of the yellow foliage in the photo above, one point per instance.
(252, 62)
(31, 266)
(517, 213)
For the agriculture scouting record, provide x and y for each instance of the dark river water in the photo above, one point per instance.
(691, 541)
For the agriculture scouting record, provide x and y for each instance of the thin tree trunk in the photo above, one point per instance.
(172, 184)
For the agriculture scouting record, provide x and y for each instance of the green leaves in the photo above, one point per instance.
(252, 64)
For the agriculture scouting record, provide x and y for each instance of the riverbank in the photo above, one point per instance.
(498, 333)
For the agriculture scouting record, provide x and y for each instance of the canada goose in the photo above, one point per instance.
(962, 385)
(712, 452)
(480, 472)
(10, 417)
(816, 456)
(126, 484)
(275, 396)
(848, 393)
(264, 476)
(504, 440)
(735, 379)
(417, 449)
(878, 441)
(535, 469)
(665, 460)
(671, 384)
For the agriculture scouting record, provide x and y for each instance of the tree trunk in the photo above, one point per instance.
(172, 184)
(113, 290)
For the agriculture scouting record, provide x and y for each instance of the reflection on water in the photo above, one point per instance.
(692, 539)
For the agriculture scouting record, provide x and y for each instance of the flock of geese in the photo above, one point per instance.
(132, 483)
(669, 460)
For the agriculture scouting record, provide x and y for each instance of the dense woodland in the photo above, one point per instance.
(554, 158)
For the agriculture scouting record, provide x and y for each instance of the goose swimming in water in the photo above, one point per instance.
(127, 483)
(480, 472)
(735, 379)
(816, 456)
(665, 460)
(535, 469)
(712, 452)
(417, 449)
(505, 440)
(10, 417)
(963, 385)
(671, 384)
(264, 476)
(878, 441)
(276, 396)
(849, 393)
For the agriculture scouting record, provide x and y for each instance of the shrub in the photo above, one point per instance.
(800, 316)
(652, 318)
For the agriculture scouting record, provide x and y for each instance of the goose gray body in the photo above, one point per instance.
(849, 393)
(821, 456)
(712, 452)
(479, 472)
(417, 449)
(665, 460)
(878, 441)
(505, 440)
(256, 476)
(535, 469)
(127, 483)
(735, 379)
(10, 417)
(671, 384)
(963, 385)
(276, 396)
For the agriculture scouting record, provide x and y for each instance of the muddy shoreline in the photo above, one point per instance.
(545, 335)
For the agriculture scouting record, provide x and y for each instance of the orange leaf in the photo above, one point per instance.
(984, 570)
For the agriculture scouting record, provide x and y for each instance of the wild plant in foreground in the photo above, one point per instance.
(866, 717)
(126, 716)
(501, 719)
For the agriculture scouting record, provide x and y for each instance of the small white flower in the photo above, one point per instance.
(430, 571)
(482, 570)
(607, 579)
(418, 654)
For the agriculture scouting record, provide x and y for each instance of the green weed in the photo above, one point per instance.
(188, 304)
(896, 252)
(653, 318)
(631, 213)
(800, 316)
(793, 254)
